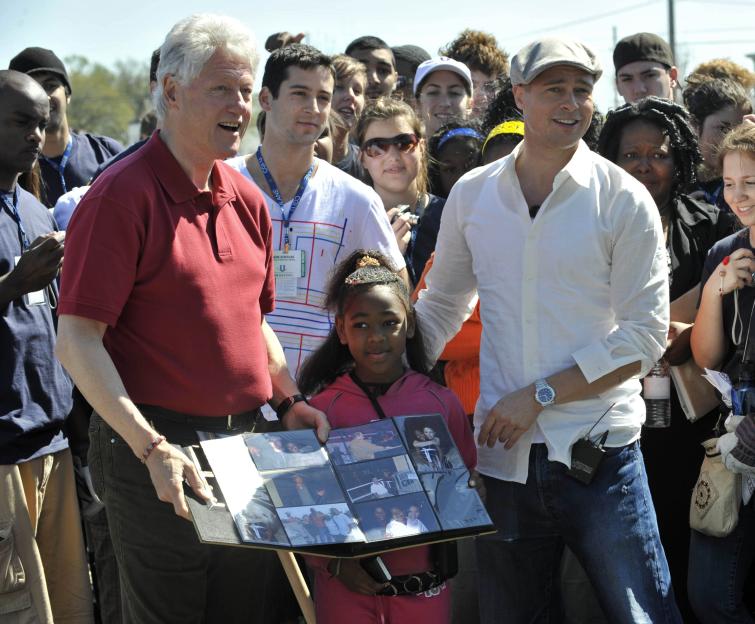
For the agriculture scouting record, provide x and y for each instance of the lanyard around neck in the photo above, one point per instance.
(278, 198)
(61, 166)
(12, 206)
(363, 387)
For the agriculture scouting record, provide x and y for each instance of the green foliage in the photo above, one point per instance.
(105, 101)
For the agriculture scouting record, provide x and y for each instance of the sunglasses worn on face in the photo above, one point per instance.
(406, 143)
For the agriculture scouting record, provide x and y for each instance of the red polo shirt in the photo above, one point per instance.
(181, 277)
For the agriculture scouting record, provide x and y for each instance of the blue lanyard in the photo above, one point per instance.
(279, 199)
(12, 206)
(61, 166)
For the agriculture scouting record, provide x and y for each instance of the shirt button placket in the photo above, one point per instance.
(530, 343)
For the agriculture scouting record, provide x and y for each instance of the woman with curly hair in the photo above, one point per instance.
(653, 140)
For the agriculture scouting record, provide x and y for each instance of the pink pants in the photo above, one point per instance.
(335, 604)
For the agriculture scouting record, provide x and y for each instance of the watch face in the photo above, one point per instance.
(545, 395)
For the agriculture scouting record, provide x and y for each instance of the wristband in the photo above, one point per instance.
(151, 447)
(287, 403)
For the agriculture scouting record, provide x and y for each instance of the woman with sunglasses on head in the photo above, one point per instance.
(394, 156)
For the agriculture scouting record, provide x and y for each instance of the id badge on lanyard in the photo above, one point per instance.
(289, 267)
(33, 298)
(290, 264)
(38, 296)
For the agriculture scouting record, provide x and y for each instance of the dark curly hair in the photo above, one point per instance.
(434, 147)
(673, 120)
(592, 135)
(361, 271)
(502, 107)
(479, 51)
(722, 68)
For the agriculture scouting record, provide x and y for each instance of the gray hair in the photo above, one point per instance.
(191, 43)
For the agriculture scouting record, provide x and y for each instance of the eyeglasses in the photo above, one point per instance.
(377, 147)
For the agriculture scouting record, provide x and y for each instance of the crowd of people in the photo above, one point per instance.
(461, 234)
(317, 527)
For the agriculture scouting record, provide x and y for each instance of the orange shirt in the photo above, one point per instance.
(462, 354)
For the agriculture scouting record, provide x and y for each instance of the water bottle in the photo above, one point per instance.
(656, 390)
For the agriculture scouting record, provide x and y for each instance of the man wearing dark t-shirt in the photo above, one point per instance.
(69, 159)
(40, 525)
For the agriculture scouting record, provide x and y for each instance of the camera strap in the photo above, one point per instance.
(737, 327)
(363, 387)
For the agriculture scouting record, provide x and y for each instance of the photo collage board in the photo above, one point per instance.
(385, 480)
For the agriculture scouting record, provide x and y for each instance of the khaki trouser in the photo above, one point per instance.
(43, 568)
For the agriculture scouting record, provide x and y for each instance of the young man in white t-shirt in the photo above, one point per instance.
(320, 214)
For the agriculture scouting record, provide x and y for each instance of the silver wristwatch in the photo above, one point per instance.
(544, 393)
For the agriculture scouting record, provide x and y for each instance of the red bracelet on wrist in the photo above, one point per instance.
(151, 447)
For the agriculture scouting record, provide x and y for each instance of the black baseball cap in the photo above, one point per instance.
(642, 47)
(33, 60)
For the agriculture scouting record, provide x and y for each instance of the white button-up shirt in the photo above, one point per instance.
(585, 282)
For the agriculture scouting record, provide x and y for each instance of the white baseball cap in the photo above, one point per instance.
(440, 63)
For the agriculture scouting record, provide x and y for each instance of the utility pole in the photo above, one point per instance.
(672, 29)
(615, 35)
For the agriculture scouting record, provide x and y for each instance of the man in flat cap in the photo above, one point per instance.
(68, 159)
(566, 252)
(644, 66)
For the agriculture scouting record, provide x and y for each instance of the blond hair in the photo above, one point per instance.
(741, 139)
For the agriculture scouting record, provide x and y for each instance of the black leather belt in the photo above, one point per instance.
(244, 421)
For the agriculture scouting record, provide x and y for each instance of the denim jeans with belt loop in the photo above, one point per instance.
(718, 572)
(610, 525)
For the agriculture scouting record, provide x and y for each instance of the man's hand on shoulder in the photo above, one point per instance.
(301, 415)
(510, 418)
(168, 468)
(37, 266)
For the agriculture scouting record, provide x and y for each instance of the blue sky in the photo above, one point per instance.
(132, 29)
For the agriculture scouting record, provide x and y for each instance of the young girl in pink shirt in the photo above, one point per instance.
(374, 338)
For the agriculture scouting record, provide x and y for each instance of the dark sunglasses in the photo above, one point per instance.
(406, 143)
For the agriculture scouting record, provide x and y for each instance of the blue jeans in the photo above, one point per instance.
(609, 525)
(718, 568)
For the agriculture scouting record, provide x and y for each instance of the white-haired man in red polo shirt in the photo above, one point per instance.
(169, 274)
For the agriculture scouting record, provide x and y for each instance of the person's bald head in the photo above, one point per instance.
(24, 112)
(15, 81)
